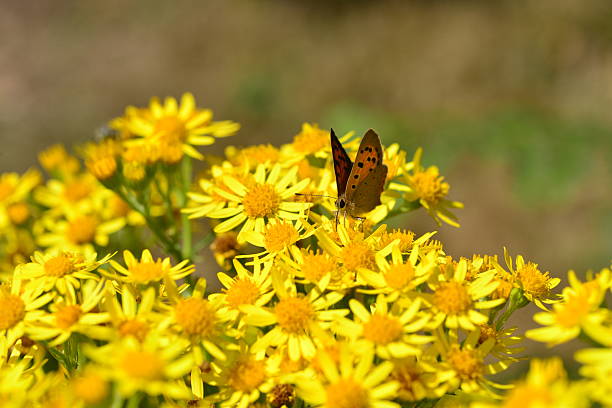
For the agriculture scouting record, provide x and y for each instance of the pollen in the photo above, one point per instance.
(399, 275)
(145, 272)
(533, 281)
(406, 239)
(169, 129)
(18, 213)
(82, 229)
(281, 395)
(142, 365)
(77, 190)
(278, 236)
(247, 374)
(452, 298)
(429, 185)
(243, 292)
(357, 254)
(12, 310)
(382, 329)
(90, 387)
(573, 311)
(486, 332)
(466, 363)
(294, 314)
(261, 200)
(317, 265)
(196, 316)
(59, 266)
(135, 328)
(346, 393)
(66, 316)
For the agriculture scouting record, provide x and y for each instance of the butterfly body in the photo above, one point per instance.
(361, 183)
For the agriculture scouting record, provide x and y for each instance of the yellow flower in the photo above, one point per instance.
(537, 285)
(504, 341)
(354, 381)
(418, 378)
(428, 188)
(279, 237)
(131, 315)
(19, 310)
(266, 198)
(297, 318)
(317, 267)
(75, 194)
(454, 299)
(14, 190)
(15, 382)
(597, 367)
(175, 128)
(148, 271)
(252, 156)
(225, 247)
(390, 332)
(75, 315)
(156, 366)
(90, 387)
(60, 270)
(578, 310)
(56, 160)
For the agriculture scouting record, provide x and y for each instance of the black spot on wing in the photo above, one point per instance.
(360, 165)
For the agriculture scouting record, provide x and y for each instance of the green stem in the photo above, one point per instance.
(185, 221)
(117, 401)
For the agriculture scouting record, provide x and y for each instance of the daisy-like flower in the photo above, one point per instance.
(15, 382)
(505, 341)
(298, 319)
(391, 333)
(578, 310)
(465, 361)
(266, 198)
(71, 315)
(14, 190)
(242, 378)
(419, 378)
(354, 381)
(131, 317)
(429, 189)
(318, 268)
(246, 288)
(400, 276)
(597, 367)
(61, 271)
(537, 285)
(313, 141)
(90, 386)
(19, 309)
(57, 161)
(147, 270)
(454, 300)
(279, 237)
(252, 156)
(75, 194)
(175, 127)
(156, 366)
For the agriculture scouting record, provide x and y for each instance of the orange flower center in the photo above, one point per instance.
(59, 266)
(91, 388)
(77, 190)
(573, 311)
(279, 236)
(466, 363)
(452, 298)
(316, 266)
(18, 213)
(399, 275)
(67, 316)
(145, 272)
(294, 314)
(382, 329)
(242, 292)
(429, 185)
(135, 328)
(170, 129)
(533, 281)
(142, 365)
(82, 230)
(196, 316)
(261, 200)
(346, 393)
(356, 255)
(12, 310)
(247, 374)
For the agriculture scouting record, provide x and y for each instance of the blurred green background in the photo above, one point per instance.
(512, 99)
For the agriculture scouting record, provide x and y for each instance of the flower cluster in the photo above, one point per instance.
(101, 303)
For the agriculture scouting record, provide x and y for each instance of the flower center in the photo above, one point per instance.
(405, 239)
(533, 281)
(120, 207)
(242, 292)
(572, 312)
(18, 213)
(90, 387)
(145, 272)
(452, 298)
(346, 393)
(142, 365)
(59, 266)
(399, 275)
(311, 140)
(406, 374)
(429, 185)
(255, 155)
(76, 191)
(316, 266)
(294, 314)
(6, 189)
(68, 315)
(247, 374)
(102, 167)
(135, 328)
(226, 243)
(12, 311)
(170, 129)
(82, 230)
(357, 254)
(196, 316)
(486, 332)
(465, 362)
(261, 200)
(503, 290)
(281, 395)
(279, 236)
(382, 329)
(529, 396)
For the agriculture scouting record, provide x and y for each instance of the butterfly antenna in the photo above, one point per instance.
(315, 195)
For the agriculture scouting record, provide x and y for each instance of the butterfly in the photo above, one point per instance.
(359, 184)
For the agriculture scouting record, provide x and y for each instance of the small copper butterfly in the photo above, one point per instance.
(359, 184)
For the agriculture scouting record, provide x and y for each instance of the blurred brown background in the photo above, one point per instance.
(511, 99)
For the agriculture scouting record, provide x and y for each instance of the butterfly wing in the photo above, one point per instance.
(369, 158)
(342, 163)
(367, 194)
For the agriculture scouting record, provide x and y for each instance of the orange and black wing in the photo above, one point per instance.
(342, 163)
(369, 158)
